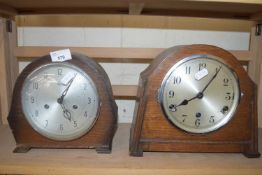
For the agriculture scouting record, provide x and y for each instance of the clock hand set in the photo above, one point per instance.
(60, 100)
(200, 94)
(185, 101)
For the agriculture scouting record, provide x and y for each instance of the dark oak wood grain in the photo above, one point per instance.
(101, 134)
(151, 131)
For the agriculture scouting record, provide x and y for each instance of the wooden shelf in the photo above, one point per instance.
(125, 91)
(87, 161)
(83, 161)
(237, 9)
(138, 54)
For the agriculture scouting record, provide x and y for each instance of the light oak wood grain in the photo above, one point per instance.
(135, 8)
(255, 67)
(8, 67)
(125, 91)
(109, 53)
(87, 161)
(134, 21)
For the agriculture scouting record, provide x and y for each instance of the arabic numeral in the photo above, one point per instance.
(184, 117)
(75, 124)
(212, 119)
(32, 99)
(35, 85)
(85, 114)
(228, 96)
(188, 69)
(61, 127)
(171, 94)
(59, 72)
(201, 66)
(61, 57)
(89, 100)
(225, 81)
(197, 122)
(177, 80)
(46, 123)
(45, 75)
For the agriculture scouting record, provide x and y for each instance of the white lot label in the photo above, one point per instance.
(201, 74)
(61, 55)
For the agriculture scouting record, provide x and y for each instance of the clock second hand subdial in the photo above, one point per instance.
(200, 94)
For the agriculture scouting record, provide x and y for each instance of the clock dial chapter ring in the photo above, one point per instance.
(66, 111)
(199, 105)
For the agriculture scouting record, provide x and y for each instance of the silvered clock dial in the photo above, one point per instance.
(60, 101)
(199, 94)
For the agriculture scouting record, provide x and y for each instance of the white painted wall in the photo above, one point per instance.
(126, 73)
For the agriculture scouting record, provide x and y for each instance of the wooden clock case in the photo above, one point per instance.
(151, 130)
(99, 136)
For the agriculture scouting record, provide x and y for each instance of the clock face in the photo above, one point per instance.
(200, 94)
(60, 101)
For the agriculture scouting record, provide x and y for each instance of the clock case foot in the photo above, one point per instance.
(252, 154)
(105, 149)
(101, 133)
(151, 132)
(21, 149)
(164, 146)
(136, 152)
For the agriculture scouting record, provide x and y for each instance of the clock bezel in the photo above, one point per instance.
(215, 127)
(45, 133)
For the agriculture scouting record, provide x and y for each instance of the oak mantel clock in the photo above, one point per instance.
(63, 105)
(195, 98)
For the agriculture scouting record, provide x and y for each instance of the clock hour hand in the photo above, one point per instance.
(185, 101)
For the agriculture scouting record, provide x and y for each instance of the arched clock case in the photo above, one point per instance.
(63, 105)
(195, 98)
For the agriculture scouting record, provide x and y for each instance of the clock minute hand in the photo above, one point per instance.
(211, 80)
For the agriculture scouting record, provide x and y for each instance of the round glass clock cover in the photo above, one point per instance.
(200, 94)
(60, 101)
